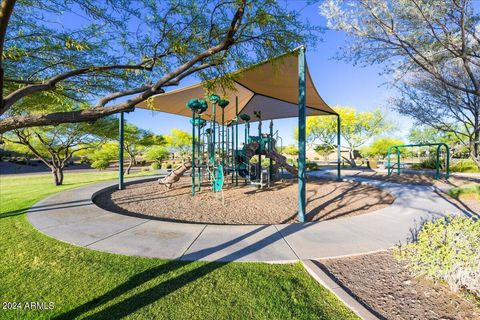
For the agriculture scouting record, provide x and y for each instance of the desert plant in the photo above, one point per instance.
(312, 166)
(446, 249)
(472, 191)
(155, 166)
(465, 165)
(100, 164)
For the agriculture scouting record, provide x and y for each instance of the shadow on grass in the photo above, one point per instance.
(137, 301)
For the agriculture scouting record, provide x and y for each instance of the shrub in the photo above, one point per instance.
(312, 166)
(100, 164)
(429, 163)
(155, 166)
(465, 165)
(446, 249)
(466, 191)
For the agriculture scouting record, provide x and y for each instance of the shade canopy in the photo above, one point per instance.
(270, 87)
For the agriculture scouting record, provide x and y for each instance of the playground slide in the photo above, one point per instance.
(174, 175)
(282, 161)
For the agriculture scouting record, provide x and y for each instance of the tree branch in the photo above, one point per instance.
(56, 118)
(51, 83)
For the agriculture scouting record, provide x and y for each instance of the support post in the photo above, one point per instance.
(339, 150)
(260, 148)
(193, 153)
(120, 151)
(447, 169)
(233, 165)
(223, 137)
(270, 149)
(398, 161)
(199, 173)
(388, 160)
(214, 129)
(236, 139)
(301, 135)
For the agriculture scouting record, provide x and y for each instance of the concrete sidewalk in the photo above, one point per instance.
(71, 216)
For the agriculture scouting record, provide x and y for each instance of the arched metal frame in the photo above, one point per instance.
(437, 159)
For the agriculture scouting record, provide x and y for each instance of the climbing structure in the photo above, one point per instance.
(216, 156)
(278, 88)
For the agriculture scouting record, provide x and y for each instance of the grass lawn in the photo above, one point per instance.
(466, 192)
(83, 283)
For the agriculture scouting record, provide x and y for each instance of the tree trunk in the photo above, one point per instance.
(351, 158)
(57, 176)
(130, 164)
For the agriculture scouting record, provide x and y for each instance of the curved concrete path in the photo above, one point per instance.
(71, 216)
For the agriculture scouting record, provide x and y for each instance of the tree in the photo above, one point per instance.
(324, 150)
(136, 140)
(17, 149)
(179, 142)
(124, 52)
(290, 150)
(427, 134)
(431, 48)
(452, 115)
(56, 145)
(356, 129)
(407, 36)
(379, 147)
(157, 153)
(103, 155)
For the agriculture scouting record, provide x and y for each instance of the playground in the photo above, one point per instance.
(326, 199)
(237, 197)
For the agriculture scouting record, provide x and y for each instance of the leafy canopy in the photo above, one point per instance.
(97, 52)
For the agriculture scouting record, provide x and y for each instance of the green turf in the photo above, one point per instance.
(83, 283)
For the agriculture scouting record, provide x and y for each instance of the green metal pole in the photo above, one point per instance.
(236, 138)
(447, 171)
(233, 165)
(223, 137)
(246, 133)
(398, 161)
(198, 156)
(193, 153)
(270, 148)
(213, 131)
(301, 136)
(437, 164)
(120, 151)
(339, 151)
(260, 148)
(388, 160)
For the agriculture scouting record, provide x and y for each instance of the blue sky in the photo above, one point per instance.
(338, 82)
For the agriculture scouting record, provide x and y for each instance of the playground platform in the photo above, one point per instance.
(72, 217)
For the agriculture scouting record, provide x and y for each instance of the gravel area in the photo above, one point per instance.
(244, 204)
(387, 287)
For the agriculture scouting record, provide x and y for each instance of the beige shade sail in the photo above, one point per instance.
(270, 87)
